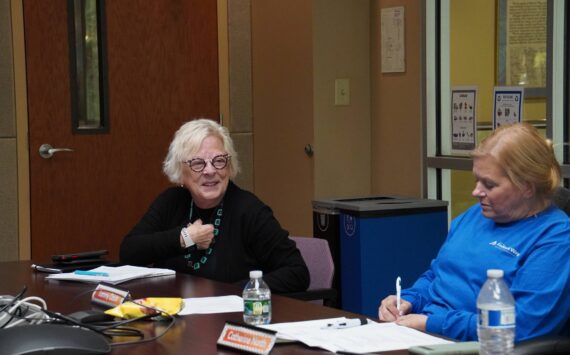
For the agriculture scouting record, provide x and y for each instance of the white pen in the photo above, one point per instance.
(398, 292)
(348, 323)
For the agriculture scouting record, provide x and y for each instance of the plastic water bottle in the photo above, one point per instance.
(256, 300)
(496, 315)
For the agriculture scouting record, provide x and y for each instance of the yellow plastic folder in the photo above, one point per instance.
(146, 306)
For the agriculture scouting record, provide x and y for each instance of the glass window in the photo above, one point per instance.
(484, 44)
(88, 69)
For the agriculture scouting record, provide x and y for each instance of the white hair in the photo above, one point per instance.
(187, 141)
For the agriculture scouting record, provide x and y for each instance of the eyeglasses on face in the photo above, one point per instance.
(199, 164)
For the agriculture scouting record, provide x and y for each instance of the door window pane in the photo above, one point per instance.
(87, 47)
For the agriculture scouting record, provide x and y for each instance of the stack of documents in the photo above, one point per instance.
(369, 338)
(112, 275)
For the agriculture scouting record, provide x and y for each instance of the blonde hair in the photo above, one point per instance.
(187, 141)
(525, 156)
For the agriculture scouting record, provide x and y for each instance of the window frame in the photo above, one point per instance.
(436, 98)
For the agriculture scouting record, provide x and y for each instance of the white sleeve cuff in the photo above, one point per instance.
(188, 242)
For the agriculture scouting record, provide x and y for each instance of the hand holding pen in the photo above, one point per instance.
(393, 306)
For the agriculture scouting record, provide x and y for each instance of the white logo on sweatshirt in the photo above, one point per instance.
(503, 247)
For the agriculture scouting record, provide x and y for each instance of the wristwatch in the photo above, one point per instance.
(188, 242)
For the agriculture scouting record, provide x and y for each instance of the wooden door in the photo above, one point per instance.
(162, 71)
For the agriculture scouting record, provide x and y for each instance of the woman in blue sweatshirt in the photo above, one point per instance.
(514, 227)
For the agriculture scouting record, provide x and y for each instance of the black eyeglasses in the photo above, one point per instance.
(199, 164)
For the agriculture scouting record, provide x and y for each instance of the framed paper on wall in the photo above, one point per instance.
(463, 119)
(507, 105)
(522, 41)
(393, 47)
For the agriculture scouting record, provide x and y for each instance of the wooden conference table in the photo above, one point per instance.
(192, 334)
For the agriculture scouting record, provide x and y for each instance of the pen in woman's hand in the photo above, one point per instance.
(398, 294)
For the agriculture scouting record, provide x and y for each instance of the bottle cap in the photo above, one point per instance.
(495, 273)
(255, 274)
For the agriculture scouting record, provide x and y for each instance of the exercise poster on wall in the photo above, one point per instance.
(507, 106)
(463, 118)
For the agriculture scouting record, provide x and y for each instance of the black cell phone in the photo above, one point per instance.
(91, 316)
(59, 267)
(79, 256)
(79, 261)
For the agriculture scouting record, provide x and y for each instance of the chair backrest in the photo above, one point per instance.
(319, 260)
(546, 345)
(561, 199)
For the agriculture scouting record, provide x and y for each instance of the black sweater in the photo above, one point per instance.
(250, 238)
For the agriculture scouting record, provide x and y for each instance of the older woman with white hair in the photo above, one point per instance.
(206, 225)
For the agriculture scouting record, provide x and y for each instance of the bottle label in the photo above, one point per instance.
(256, 307)
(497, 318)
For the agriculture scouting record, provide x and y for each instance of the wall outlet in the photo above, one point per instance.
(342, 92)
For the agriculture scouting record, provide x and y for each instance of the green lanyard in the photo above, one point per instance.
(217, 222)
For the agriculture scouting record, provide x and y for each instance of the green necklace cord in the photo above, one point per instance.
(217, 222)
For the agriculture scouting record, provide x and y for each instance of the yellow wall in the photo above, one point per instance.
(472, 50)
(473, 56)
(473, 62)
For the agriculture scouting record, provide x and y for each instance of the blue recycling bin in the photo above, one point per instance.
(382, 238)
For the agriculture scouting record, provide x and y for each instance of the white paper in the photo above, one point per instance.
(392, 40)
(117, 274)
(508, 105)
(464, 119)
(372, 337)
(203, 305)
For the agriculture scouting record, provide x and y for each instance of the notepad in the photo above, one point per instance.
(117, 274)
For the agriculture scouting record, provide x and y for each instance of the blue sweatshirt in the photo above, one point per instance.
(533, 252)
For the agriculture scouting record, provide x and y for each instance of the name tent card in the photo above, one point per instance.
(247, 338)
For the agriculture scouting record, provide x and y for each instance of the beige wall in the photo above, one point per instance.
(238, 78)
(396, 108)
(8, 143)
(282, 70)
(341, 42)
(299, 49)
(373, 145)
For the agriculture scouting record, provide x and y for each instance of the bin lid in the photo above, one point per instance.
(376, 203)
(333, 202)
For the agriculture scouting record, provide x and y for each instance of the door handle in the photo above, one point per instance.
(47, 151)
(309, 150)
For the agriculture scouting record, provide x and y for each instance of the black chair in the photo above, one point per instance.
(317, 256)
(543, 346)
(561, 199)
(549, 344)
